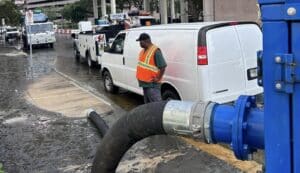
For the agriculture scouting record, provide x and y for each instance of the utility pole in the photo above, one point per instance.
(95, 9)
(113, 6)
(172, 6)
(146, 5)
(208, 10)
(184, 11)
(163, 12)
(103, 8)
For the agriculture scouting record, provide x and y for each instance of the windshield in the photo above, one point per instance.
(40, 28)
(11, 29)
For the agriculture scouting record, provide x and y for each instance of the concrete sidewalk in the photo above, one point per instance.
(57, 94)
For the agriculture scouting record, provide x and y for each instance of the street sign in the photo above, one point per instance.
(29, 21)
(117, 16)
(29, 17)
(37, 11)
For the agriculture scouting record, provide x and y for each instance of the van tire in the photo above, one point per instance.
(170, 94)
(109, 84)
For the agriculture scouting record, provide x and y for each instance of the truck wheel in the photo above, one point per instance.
(170, 94)
(108, 83)
(91, 63)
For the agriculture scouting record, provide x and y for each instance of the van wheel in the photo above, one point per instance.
(170, 94)
(108, 83)
(91, 63)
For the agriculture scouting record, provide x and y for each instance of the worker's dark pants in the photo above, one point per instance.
(152, 95)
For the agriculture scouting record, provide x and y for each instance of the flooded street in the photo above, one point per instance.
(37, 136)
(32, 139)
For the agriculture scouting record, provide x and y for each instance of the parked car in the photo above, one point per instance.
(214, 61)
(12, 33)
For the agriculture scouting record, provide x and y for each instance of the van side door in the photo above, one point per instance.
(114, 60)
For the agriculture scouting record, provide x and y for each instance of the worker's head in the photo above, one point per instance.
(145, 40)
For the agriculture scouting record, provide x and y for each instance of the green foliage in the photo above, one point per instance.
(10, 12)
(78, 11)
(121, 3)
(154, 5)
(1, 168)
(195, 8)
(51, 13)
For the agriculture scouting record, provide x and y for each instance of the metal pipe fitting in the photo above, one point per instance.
(191, 119)
(240, 125)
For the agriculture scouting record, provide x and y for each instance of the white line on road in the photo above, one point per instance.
(86, 90)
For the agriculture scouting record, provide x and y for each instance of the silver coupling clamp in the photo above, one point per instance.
(191, 119)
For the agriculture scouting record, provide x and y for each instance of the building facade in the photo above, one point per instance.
(34, 4)
(240, 10)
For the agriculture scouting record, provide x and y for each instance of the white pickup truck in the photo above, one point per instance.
(40, 34)
(88, 45)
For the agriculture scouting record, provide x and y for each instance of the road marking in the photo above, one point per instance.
(75, 83)
(226, 155)
(14, 54)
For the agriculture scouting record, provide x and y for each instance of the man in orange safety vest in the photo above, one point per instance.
(150, 69)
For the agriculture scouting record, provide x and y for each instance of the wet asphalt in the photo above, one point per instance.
(35, 140)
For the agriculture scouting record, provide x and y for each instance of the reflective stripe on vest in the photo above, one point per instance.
(146, 68)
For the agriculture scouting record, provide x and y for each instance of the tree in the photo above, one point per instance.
(123, 3)
(51, 13)
(195, 8)
(78, 11)
(10, 12)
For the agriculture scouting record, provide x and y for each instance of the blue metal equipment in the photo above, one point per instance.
(242, 124)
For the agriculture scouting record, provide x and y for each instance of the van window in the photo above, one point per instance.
(118, 44)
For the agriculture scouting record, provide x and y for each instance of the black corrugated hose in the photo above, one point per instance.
(98, 122)
(140, 123)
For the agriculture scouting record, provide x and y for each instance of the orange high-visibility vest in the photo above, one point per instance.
(146, 68)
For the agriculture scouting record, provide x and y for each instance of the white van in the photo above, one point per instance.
(213, 61)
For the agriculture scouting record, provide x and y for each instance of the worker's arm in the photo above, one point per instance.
(161, 64)
(160, 74)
